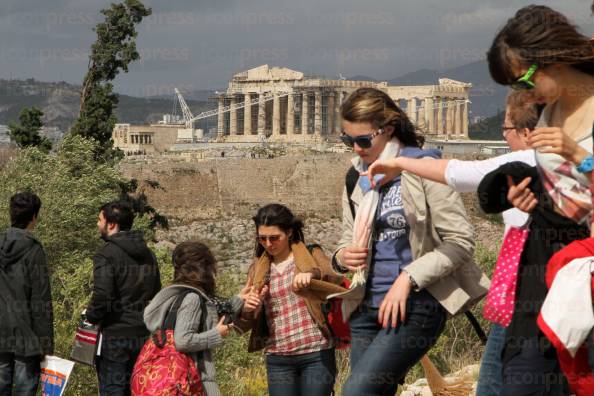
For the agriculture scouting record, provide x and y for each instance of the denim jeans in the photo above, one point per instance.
(533, 373)
(20, 372)
(114, 366)
(309, 374)
(490, 376)
(381, 358)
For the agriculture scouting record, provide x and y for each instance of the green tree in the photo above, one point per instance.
(113, 51)
(26, 134)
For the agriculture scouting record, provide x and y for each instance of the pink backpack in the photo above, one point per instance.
(160, 369)
(499, 307)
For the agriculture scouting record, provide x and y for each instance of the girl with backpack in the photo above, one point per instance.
(197, 328)
(416, 258)
(283, 311)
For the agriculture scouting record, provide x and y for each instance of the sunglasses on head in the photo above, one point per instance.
(364, 141)
(525, 82)
(270, 238)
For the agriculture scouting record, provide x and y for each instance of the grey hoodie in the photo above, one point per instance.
(186, 336)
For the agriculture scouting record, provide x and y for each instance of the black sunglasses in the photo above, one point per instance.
(363, 141)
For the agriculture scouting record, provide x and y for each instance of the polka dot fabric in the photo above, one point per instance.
(499, 306)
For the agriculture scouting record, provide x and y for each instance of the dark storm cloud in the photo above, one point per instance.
(201, 44)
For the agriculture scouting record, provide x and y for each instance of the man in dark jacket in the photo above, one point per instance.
(126, 278)
(26, 316)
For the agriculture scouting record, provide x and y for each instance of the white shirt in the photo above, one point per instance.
(465, 176)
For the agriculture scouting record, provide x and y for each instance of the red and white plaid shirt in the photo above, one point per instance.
(292, 329)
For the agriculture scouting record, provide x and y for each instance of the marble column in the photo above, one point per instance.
(221, 118)
(337, 117)
(318, 113)
(232, 116)
(465, 119)
(412, 110)
(439, 116)
(305, 113)
(291, 114)
(330, 114)
(449, 117)
(261, 115)
(458, 117)
(247, 114)
(276, 116)
(430, 115)
(421, 121)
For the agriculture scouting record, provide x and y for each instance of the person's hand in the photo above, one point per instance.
(301, 280)
(393, 307)
(554, 141)
(223, 328)
(389, 168)
(353, 257)
(253, 301)
(520, 195)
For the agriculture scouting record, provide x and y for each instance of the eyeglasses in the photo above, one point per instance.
(524, 82)
(269, 238)
(506, 129)
(363, 141)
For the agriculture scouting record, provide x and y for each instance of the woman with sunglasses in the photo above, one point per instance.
(542, 54)
(465, 176)
(285, 320)
(418, 262)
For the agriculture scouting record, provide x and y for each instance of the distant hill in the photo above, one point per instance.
(486, 96)
(488, 129)
(60, 103)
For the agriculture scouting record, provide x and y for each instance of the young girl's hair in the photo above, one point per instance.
(280, 216)
(194, 265)
(377, 108)
(542, 36)
(523, 115)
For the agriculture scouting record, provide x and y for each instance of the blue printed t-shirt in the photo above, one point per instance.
(390, 248)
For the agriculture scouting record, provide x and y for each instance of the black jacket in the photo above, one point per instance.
(549, 233)
(26, 316)
(126, 277)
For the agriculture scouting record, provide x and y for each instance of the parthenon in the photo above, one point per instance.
(280, 104)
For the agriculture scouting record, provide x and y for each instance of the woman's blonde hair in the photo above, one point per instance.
(377, 108)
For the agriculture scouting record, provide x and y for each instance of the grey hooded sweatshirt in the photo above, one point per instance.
(186, 333)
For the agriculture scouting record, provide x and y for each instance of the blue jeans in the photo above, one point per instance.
(309, 374)
(381, 358)
(490, 377)
(22, 372)
(115, 365)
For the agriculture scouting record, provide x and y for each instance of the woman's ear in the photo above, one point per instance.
(389, 130)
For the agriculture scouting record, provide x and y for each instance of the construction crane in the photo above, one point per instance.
(186, 112)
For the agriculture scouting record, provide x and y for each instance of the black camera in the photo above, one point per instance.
(224, 308)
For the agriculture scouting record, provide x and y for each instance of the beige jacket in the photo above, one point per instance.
(441, 239)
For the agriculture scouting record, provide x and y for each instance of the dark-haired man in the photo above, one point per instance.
(126, 278)
(26, 316)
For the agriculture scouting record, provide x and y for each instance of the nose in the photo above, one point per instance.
(267, 244)
(358, 149)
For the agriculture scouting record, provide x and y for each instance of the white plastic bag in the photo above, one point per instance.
(55, 372)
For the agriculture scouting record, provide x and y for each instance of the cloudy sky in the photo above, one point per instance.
(200, 44)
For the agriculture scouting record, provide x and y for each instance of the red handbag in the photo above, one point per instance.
(339, 328)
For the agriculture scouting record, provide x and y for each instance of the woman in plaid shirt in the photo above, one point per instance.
(284, 316)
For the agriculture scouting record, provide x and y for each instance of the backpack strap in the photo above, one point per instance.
(171, 317)
(351, 179)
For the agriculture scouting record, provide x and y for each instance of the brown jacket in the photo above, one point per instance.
(324, 283)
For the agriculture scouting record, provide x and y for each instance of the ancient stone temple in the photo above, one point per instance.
(284, 105)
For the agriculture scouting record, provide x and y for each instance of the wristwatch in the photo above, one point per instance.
(586, 165)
